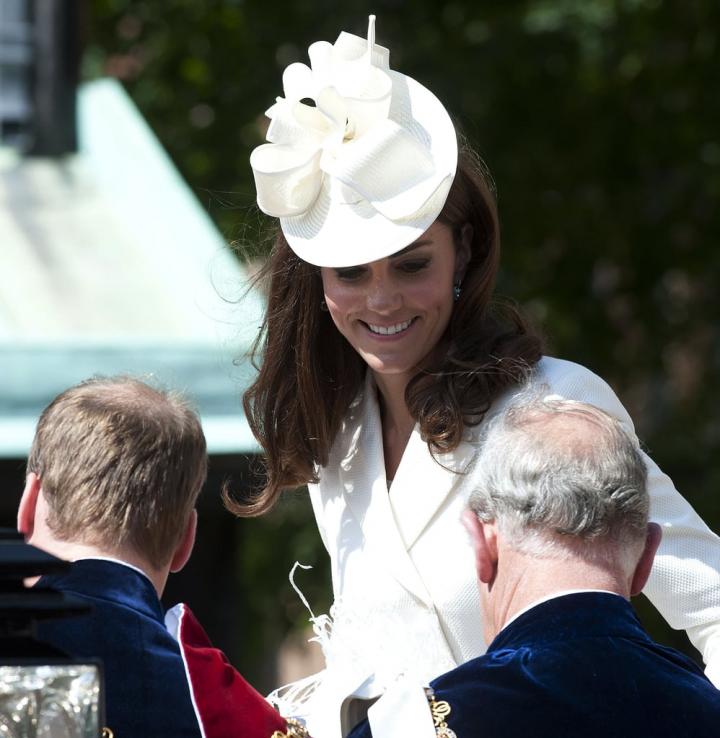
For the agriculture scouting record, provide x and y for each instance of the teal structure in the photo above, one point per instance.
(109, 264)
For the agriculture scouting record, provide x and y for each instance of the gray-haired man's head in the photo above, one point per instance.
(557, 476)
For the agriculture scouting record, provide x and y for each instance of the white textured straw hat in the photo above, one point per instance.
(366, 169)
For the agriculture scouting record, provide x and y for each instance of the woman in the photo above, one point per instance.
(383, 353)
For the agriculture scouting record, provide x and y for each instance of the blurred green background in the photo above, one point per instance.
(600, 121)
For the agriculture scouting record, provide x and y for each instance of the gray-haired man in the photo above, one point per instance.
(559, 521)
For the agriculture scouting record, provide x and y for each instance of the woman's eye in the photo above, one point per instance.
(411, 267)
(349, 274)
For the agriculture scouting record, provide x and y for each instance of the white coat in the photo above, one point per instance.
(402, 565)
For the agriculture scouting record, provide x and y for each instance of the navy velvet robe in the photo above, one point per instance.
(577, 665)
(147, 692)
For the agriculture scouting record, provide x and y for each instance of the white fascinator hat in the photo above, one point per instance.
(360, 157)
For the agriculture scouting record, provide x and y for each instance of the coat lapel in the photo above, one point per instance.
(364, 485)
(423, 483)
(392, 522)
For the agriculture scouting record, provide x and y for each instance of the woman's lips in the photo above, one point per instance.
(392, 330)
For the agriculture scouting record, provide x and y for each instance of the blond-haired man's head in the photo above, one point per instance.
(115, 468)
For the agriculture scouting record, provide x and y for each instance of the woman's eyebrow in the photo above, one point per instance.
(411, 247)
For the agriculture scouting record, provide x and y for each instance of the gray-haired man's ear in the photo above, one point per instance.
(28, 505)
(642, 570)
(484, 539)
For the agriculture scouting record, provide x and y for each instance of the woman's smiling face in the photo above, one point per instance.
(394, 311)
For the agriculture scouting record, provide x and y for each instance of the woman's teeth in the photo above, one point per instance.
(389, 330)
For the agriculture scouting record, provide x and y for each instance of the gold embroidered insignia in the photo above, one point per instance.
(439, 709)
(295, 729)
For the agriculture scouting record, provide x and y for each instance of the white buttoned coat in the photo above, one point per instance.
(402, 565)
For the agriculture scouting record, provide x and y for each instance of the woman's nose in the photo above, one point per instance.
(383, 296)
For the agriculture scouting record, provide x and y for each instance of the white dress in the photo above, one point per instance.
(406, 598)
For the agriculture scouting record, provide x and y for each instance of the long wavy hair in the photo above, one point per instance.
(309, 374)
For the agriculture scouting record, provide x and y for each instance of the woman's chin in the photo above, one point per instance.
(387, 366)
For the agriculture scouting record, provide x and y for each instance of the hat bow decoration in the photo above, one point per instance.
(345, 147)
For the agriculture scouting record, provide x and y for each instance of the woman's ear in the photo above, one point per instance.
(463, 252)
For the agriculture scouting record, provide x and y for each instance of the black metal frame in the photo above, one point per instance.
(39, 70)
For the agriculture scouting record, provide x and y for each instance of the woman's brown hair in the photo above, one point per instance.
(309, 374)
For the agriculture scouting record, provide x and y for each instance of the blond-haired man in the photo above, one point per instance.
(113, 476)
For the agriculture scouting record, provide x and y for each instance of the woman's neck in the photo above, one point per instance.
(397, 423)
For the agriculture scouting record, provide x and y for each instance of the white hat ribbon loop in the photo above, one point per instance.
(288, 178)
(388, 168)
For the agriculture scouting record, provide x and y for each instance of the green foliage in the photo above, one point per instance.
(600, 121)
